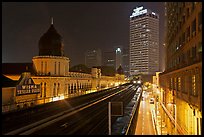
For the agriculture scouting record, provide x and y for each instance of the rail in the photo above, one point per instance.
(179, 128)
(29, 129)
(133, 120)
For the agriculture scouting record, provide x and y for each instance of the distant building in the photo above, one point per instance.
(118, 57)
(125, 61)
(109, 58)
(93, 58)
(144, 42)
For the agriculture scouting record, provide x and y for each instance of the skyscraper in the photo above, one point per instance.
(125, 61)
(118, 58)
(144, 42)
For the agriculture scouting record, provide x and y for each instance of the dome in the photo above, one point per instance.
(120, 70)
(50, 44)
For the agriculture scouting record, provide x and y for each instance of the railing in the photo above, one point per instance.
(178, 127)
(6, 108)
(133, 120)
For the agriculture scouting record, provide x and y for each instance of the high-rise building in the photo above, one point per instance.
(93, 58)
(125, 61)
(118, 58)
(181, 82)
(144, 42)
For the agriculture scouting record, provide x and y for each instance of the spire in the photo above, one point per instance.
(52, 21)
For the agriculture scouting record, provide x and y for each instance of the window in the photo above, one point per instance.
(44, 89)
(193, 28)
(193, 90)
(45, 67)
(183, 19)
(179, 84)
(200, 21)
(55, 67)
(58, 89)
(54, 90)
(188, 33)
(41, 67)
(175, 83)
(187, 12)
(183, 38)
(41, 89)
(194, 52)
(171, 83)
(59, 68)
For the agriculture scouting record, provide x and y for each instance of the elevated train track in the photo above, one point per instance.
(81, 115)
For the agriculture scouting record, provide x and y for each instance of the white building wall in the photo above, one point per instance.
(51, 65)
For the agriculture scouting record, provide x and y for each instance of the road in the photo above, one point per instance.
(145, 122)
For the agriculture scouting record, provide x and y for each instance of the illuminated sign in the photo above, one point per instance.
(138, 11)
(27, 89)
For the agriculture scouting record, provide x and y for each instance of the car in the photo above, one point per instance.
(151, 101)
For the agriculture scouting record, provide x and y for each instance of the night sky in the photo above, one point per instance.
(82, 25)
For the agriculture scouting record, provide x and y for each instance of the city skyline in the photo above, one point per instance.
(82, 25)
(54, 93)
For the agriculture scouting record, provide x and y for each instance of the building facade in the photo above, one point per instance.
(109, 58)
(144, 42)
(181, 82)
(125, 61)
(93, 58)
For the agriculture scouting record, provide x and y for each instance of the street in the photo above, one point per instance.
(145, 124)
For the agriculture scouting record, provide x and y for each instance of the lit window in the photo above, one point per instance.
(194, 92)
(179, 84)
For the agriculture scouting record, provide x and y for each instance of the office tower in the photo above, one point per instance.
(144, 42)
(125, 61)
(93, 58)
(118, 58)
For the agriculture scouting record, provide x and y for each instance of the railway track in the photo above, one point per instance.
(89, 112)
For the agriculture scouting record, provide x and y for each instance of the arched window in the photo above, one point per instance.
(54, 90)
(41, 89)
(45, 67)
(55, 67)
(41, 67)
(58, 89)
(44, 89)
(59, 68)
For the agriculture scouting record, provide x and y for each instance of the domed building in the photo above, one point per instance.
(51, 59)
(51, 73)
(50, 44)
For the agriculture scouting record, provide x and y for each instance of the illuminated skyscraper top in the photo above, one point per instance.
(139, 11)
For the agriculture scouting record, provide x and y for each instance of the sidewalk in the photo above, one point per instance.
(159, 126)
